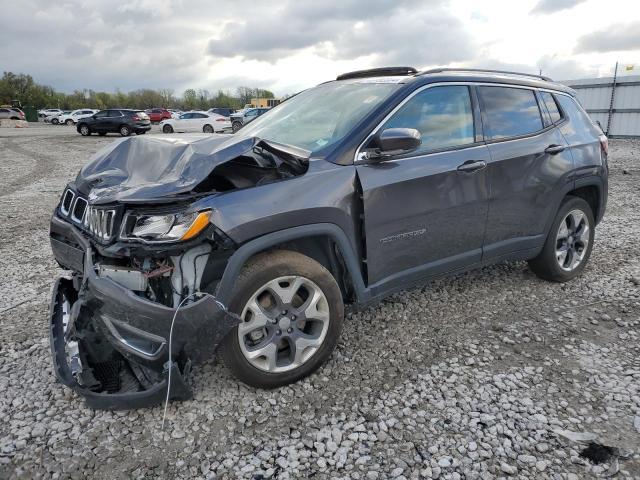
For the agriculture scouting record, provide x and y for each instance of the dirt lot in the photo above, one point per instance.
(478, 376)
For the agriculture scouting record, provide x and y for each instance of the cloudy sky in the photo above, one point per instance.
(293, 44)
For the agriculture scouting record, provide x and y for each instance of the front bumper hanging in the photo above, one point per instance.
(112, 346)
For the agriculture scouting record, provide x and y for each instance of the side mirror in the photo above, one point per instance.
(394, 141)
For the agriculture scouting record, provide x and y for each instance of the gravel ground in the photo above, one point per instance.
(488, 374)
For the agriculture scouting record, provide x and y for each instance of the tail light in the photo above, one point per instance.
(604, 143)
(135, 118)
(221, 119)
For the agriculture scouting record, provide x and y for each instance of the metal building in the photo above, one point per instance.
(615, 104)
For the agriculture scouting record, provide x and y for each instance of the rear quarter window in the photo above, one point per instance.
(552, 106)
(510, 112)
(577, 116)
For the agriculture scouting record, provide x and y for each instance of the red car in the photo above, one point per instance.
(156, 115)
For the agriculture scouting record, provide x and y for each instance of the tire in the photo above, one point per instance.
(125, 130)
(84, 130)
(320, 330)
(102, 134)
(55, 121)
(69, 122)
(167, 129)
(208, 129)
(568, 246)
(235, 126)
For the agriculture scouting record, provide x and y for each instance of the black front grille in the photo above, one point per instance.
(100, 222)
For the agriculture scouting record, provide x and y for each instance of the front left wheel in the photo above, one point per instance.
(84, 130)
(292, 312)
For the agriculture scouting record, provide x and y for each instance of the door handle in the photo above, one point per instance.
(553, 149)
(472, 166)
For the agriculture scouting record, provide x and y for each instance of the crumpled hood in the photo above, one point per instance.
(153, 168)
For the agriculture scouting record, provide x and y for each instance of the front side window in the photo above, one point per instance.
(510, 112)
(442, 115)
(552, 106)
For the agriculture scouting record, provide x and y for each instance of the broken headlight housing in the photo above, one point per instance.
(163, 227)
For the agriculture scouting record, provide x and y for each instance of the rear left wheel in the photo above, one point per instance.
(69, 122)
(568, 246)
(292, 312)
(207, 129)
(125, 130)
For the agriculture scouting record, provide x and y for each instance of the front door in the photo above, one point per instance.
(425, 211)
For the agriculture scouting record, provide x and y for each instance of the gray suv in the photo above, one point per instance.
(252, 246)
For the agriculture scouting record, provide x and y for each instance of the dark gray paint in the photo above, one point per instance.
(428, 193)
(469, 218)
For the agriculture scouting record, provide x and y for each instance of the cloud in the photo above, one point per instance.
(76, 50)
(553, 6)
(285, 45)
(390, 32)
(613, 38)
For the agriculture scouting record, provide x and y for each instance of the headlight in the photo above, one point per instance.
(169, 227)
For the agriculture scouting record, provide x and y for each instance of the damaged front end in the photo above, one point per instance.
(144, 257)
(110, 341)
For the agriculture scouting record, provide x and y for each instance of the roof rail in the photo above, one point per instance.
(482, 70)
(378, 72)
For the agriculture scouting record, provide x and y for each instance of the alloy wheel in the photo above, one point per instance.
(84, 130)
(285, 323)
(572, 240)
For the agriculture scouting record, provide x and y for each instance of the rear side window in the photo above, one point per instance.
(510, 112)
(552, 106)
(576, 113)
(442, 115)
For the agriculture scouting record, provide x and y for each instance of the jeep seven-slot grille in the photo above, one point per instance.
(100, 222)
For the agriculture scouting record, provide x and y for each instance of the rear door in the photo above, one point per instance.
(530, 164)
(425, 211)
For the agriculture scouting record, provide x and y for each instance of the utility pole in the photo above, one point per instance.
(613, 95)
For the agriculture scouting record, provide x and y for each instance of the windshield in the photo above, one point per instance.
(320, 116)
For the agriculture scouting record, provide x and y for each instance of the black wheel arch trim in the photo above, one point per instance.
(257, 245)
(602, 188)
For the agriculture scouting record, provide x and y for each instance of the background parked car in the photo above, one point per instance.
(196, 121)
(156, 115)
(73, 117)
(55, 118)
(225, 112)
(175, 113)
(239, 119)
(116, 120)
(11, 113)
(47, 112)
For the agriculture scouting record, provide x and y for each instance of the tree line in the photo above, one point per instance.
(23, 88)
